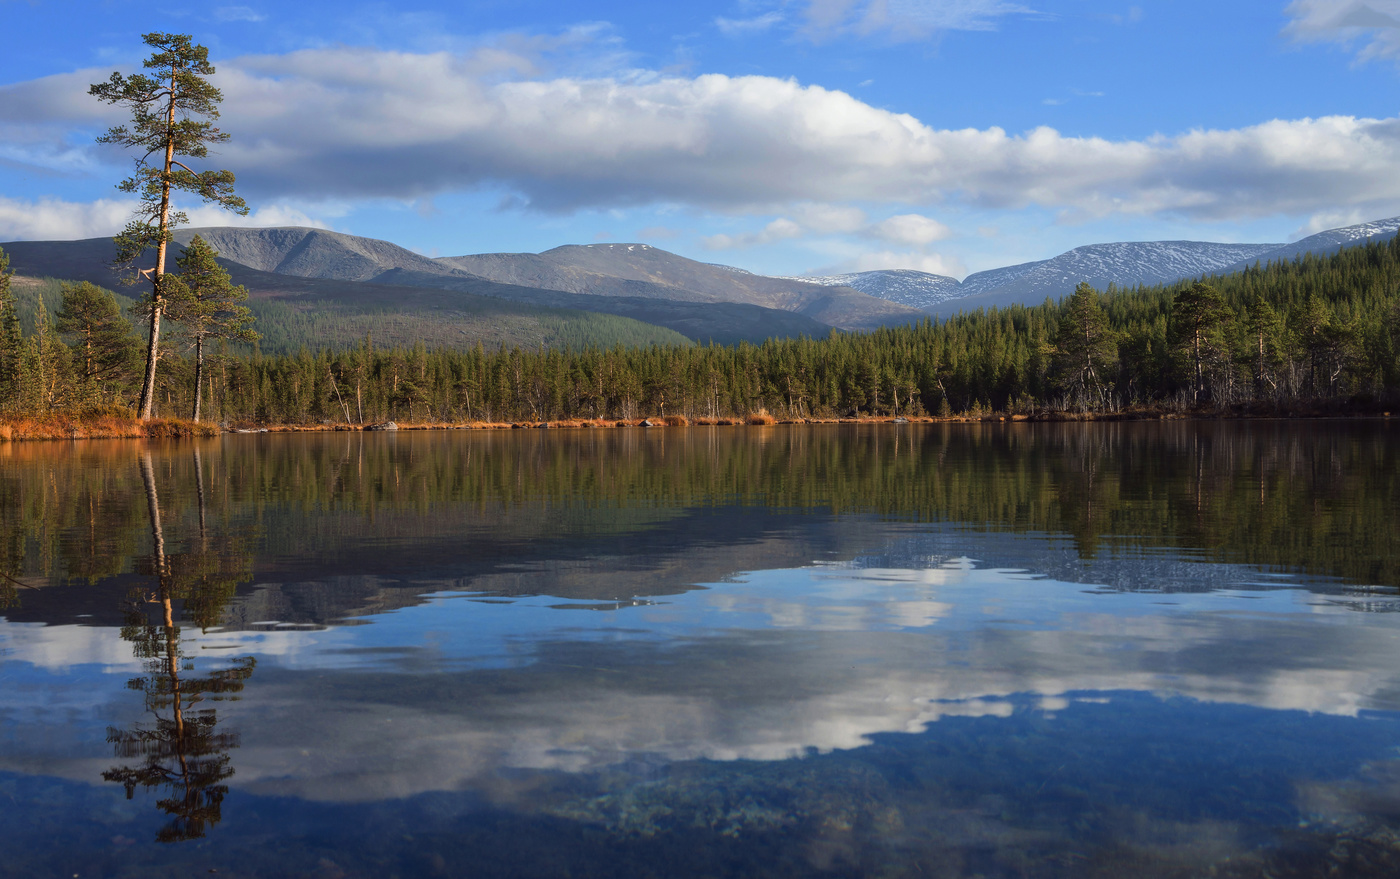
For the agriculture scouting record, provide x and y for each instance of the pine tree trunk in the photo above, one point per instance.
(148, 388)
(198, 375)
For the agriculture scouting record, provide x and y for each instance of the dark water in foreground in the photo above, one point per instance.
(1001, 651)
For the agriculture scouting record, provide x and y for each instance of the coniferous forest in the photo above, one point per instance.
(1289, 336)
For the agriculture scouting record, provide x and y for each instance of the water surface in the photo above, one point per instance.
(962, 650)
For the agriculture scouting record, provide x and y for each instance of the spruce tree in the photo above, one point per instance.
(1086, 349)
(11, 341)
(208, 306)
(104, 348)
(1197, 313)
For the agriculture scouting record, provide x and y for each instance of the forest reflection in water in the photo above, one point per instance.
(655, 649)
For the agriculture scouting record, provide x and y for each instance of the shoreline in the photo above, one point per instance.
(76, 427)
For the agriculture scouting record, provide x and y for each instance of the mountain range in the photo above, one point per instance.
(1123, 263)
(313, 286)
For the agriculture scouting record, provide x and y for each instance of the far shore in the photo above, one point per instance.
(77, 426)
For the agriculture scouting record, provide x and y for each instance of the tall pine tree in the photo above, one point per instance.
(164, 108)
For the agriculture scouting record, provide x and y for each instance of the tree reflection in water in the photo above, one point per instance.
(180, 752)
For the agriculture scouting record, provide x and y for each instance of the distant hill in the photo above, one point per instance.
(1125, 264)
(617, 278)
(905, 286)
(314, 312)
(401, 297)
(640, 270)
(310, 253)
(313, 286)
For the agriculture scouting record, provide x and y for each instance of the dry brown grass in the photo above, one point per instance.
(103, 425)
(761, 417)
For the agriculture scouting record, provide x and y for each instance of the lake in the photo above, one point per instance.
(998, 650)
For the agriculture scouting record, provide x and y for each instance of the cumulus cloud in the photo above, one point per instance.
(780, 229)
(347, 124)
(828, 218)
(914, 230)
(49, 218)
(1373, 23)
(911, 230)
(905, 19)
(918, 260)
(55, 219)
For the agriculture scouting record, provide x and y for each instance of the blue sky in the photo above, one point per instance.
(783, 136)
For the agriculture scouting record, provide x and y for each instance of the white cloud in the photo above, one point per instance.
(829, 218)
(48, 219)
(346, 124)
(905, 19)
(914, 230)
(911, 230)
(933, 263)
(1375, 23)
(54, 219)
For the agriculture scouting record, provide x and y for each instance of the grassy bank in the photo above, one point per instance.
(59, 426)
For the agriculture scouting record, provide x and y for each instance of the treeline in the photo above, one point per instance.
(1287, 334)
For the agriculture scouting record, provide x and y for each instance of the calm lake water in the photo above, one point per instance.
(915, 650)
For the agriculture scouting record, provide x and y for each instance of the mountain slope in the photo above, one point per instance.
(310, 253)
(645, 271)
(904, 286)
(293, 312)
(439, 305)
(1123, 263)
(1324, 243)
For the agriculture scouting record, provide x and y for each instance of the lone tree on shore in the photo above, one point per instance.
(164, 126)
(207, 304)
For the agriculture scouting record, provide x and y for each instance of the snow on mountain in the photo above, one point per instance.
(1123, 263)
(1325, 243)
(905, 286)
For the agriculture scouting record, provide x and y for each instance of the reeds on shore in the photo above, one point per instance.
(120, 423)
(98, 425)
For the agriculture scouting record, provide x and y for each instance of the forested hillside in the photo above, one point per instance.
(1287, 334)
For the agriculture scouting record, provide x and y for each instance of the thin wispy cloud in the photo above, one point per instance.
(238, 13)
(902, 20)
(780, 229)
(1132, 16)
(742, 27)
